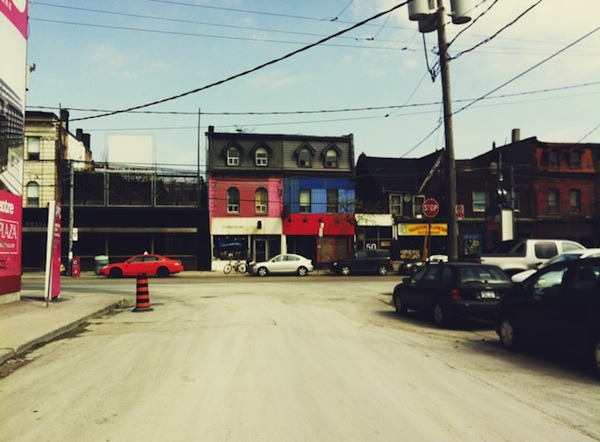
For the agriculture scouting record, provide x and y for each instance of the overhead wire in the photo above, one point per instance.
(248, 71)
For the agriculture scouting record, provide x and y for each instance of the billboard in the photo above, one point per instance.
(10, 242)
(13, 75)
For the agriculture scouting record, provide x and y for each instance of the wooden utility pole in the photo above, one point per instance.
(452, 244)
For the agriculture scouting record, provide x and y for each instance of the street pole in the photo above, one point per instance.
(71, 215)
(452, 238)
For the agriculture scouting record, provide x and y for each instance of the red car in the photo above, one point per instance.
(146, 264)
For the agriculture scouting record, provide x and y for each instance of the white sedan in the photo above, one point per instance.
(286, 263)
(567, 256)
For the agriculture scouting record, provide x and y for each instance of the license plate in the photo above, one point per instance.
(488, 294)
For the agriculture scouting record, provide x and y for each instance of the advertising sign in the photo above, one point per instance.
(436, 229)
(10, 242)
(52, 285)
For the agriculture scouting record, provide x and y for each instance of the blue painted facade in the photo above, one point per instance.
(318, 198)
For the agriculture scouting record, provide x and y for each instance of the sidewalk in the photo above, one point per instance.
(31, 321)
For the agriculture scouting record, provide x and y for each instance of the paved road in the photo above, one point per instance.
(288, 359)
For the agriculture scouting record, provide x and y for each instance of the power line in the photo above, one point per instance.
(249, 71)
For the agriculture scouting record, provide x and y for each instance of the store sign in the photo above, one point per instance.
(10, 241)
(420, 229)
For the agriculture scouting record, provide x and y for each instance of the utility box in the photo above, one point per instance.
(76, 267)
(99, 262)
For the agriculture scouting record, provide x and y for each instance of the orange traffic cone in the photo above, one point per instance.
(142, 295)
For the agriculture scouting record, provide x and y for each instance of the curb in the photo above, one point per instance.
(47, 337)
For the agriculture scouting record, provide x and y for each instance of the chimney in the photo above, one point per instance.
(64, 118)
(78, 134)
(516, 135)
(85, 138)
(211, 129)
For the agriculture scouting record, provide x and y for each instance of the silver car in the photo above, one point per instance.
(287, 263)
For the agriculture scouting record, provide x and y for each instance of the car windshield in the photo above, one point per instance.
(482, 273)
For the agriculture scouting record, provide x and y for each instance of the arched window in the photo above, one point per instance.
(233, 156)
(305, 157)
(261, 157)
(553, 159)
(261, 200)
(331, 159)
(233, 200)
(33, 194)
(575, 160)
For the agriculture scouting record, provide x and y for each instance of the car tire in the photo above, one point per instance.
(399, 305)
(382, 270)
(162, 272)
(302, 271)
(595, 359)
(509, 338)
(345, 270)
(440, 314)
(115, 273)
(262, 271)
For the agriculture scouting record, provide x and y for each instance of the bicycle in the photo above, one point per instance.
(238, 266)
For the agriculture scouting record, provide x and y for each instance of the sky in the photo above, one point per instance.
(527, 64)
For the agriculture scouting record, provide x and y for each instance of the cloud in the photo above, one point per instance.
(128, 65)
(275, 79)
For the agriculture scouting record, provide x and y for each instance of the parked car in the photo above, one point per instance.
(364, 261)
(146, 264)
(449, 290)
(567, 256)
(408, 267)
(557, 308)
(286, 263)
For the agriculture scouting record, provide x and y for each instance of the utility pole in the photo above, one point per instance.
(452, 244)
(71, 214)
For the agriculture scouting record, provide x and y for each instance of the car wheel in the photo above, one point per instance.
(382, 270)
(302, 271)
(163, 272)
(596, 355)
(115, 273)
(262, 271)
(508, 337)
(399, 305)
(345, 270)
(440, 314)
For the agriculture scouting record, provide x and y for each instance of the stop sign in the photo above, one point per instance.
(431, 208)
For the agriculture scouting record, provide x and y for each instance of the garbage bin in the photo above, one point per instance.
(76, 267)
(99, 262)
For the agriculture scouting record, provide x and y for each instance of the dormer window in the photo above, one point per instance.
(575, 160)
(331, 159)
(553, 160)
(233, 156)
(305, 158)
(261, 157)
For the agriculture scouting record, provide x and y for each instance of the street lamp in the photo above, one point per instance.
(431, 18)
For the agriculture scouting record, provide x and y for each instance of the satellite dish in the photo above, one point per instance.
(407, 198)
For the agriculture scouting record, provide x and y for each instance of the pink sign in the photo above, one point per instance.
(16, 12)
(10, 242)
(55, 268)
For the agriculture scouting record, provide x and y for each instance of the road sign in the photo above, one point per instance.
(431, 208)
(460, 211)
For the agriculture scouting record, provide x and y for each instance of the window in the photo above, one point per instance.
(33, 194)
(553, 159)
(575, 201)
(552, 201)
(548, 282)
(396, 204)
(305, 201)
(575, 160)
(418, 201)
(479, 201)
(233, 156)
(331, 159)
(332, 201)
(33, 148)
(233, 200)
(261, 200)
(305, 157)
(545, 250)
(261, 157)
